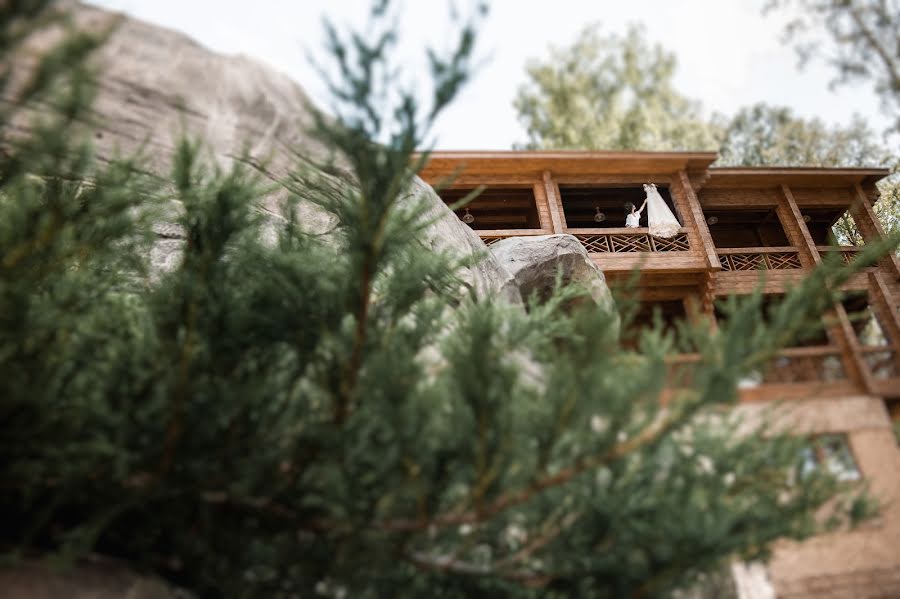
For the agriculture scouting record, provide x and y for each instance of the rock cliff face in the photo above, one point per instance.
(156, 84)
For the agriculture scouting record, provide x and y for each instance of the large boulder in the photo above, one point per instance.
(95, 578)
(536, 261)
(156, 84)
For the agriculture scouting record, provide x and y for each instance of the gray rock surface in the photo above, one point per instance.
(94, 579)
(156, 84)
(535, 261)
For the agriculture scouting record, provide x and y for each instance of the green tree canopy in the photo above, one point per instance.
(773, 135)
(860, 42)
(609, 92)
(338, 415)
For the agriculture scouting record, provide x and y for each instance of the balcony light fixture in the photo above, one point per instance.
(712, 220)
(806, 218)
(468, 218)
(599, 217)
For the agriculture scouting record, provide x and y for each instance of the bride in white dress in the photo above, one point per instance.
(662, 222)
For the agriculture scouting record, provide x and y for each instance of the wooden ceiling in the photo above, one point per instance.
(497, 207)
(564, 163)
(561, 162)
(793, 176)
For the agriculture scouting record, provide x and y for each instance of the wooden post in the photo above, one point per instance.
(870, 228)
(557, 214)
(689, 206)
(884, 308)
(841, 332)
(543, 207)
(845, 336)
(795, 228)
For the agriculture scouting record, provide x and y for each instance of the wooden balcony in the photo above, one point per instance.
(805, 365)
(848, 252)
(621, 249)
(628, 241)
(759, 258)
(883, 364)
(620, 240)
(793, 373)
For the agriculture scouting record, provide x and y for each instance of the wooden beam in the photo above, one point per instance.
(795, 177)
(668, 262)
(884, 306)
(554, 203)
(684, 196)
(606, 179)
(795, 228)
(844, 336)
(509, 232)
(614, 230)
(543, 207)
(662, 293)
(868, 225)
(758, 250)
(769, 392)
(474, 180)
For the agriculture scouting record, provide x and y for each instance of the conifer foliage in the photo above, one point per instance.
(338, 414)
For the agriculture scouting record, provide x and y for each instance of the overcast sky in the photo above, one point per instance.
(729, 53)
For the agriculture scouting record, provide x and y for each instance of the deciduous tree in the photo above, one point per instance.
(609, 92)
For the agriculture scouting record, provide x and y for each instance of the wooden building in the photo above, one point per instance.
(735, 222)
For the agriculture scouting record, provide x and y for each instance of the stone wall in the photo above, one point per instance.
(863, 563)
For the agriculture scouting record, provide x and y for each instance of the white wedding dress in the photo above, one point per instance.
(662, 222)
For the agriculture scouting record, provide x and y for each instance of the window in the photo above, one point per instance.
(832, 454)
(587, 207)
(758, 227)
(826, 226)
(496, 208)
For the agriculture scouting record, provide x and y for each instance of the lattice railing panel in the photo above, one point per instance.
(489, 241)
(596, 244)
(759, 260)
(678, 243)
(604, 243)
(629, 243)
(805, 369)
(744, 262)
(848, 253)
(783, 260)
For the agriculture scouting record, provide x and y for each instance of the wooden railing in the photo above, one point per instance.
(680, 369)
(626, 240)
(759, 258)
(848, 252)
(492, 236)
(821, 364)
(806, 365)
(882, 362)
